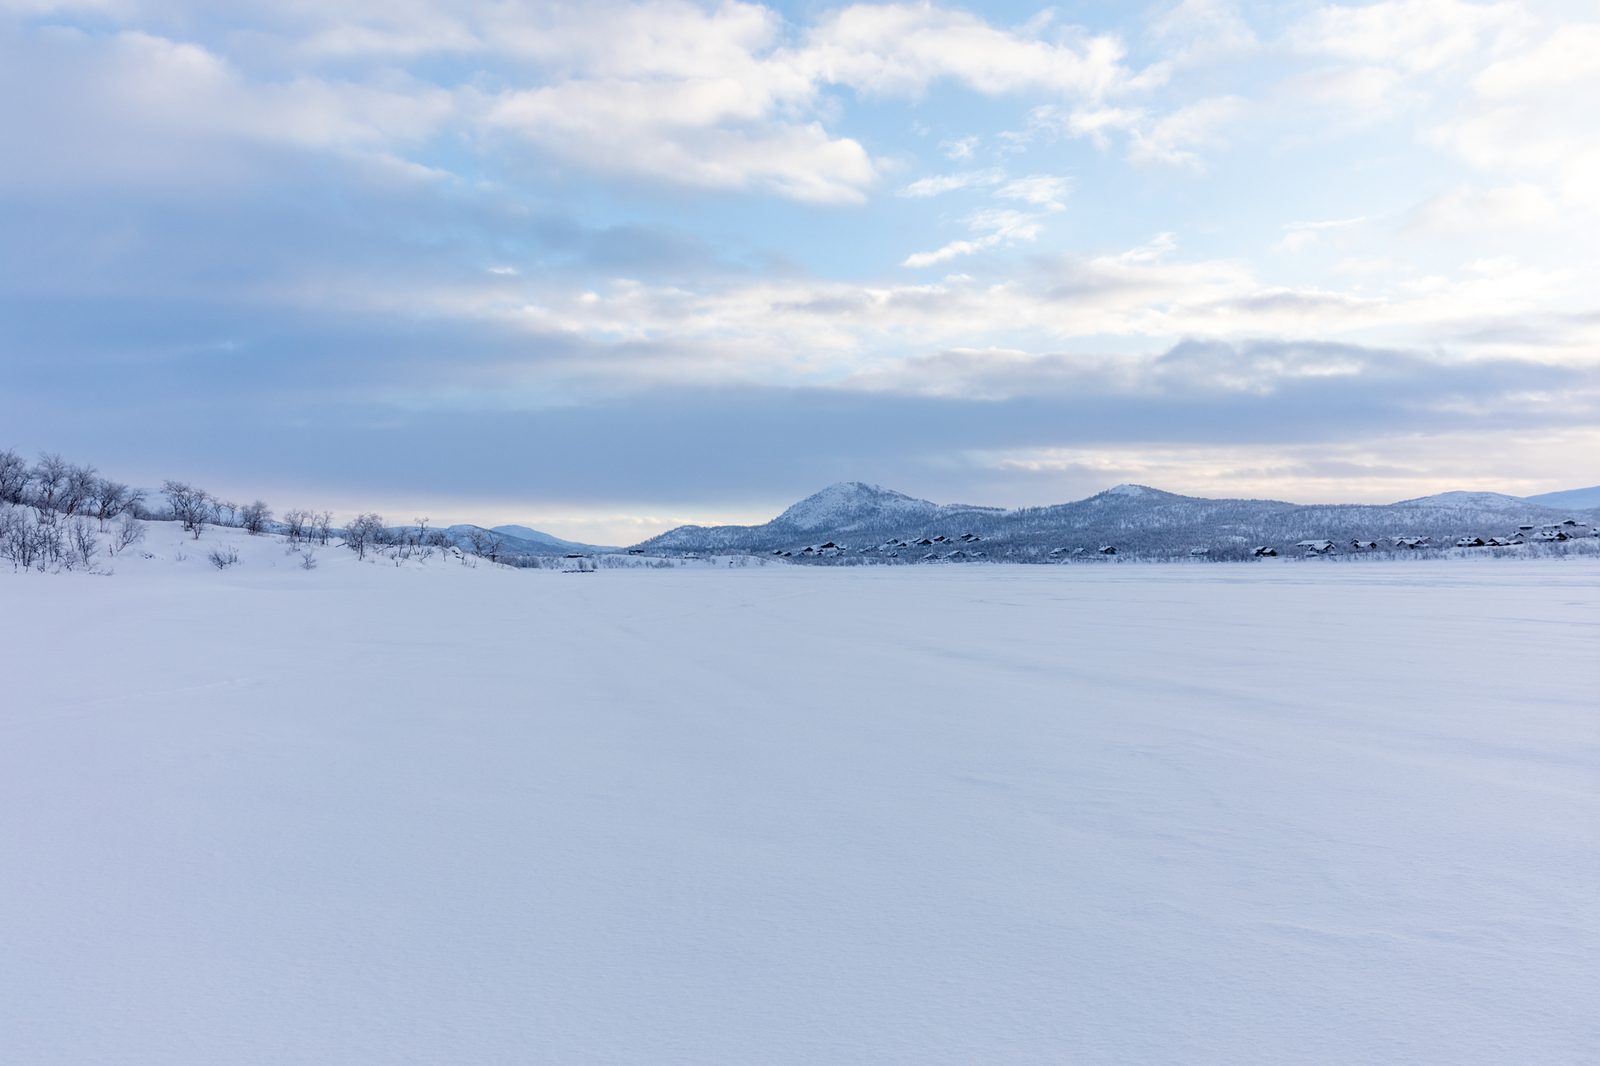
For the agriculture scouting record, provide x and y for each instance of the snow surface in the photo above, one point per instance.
(1295, 812)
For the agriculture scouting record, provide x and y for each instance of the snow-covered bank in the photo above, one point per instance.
(1119, 814)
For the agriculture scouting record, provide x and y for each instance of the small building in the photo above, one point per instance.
(1315, 547)
(1364, 545)
(1199, 551)
(1107, 550)
(1469, 542)
(1263, 552)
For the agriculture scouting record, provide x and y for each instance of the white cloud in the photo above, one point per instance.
(1041, 190)
(1418, 35)
(902, 49)
(943, 183)
(1468, 209)
(1299, 235)
(960, 150)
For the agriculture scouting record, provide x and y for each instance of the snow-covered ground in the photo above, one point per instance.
(1253, 814)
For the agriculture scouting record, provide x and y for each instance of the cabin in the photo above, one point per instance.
(1108, 550)
(635, 551)
(1469, 542)
(957, 554)
(1315, 547)
(1199, 551)
(1501, 542)
(1364, 545)
(1412, 542)
(1264, 551)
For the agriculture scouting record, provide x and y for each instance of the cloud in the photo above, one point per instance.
(1041, 190)
(1469, 209)
(1300, 235)
(960, 150)
(1418, 35)
(943, 183)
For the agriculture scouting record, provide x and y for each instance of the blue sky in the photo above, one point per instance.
(606, 268)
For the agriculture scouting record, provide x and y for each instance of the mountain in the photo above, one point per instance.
(871, 521)
(849, 508)
(1569, 499)
(533, 536)
(1474, 501)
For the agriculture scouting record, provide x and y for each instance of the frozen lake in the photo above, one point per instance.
(1292, 812)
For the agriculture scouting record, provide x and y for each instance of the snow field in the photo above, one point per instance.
(434, 814)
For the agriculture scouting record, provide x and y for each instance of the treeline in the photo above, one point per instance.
(53, 513)
(56, 515)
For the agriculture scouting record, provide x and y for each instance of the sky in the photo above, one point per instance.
(605, 268)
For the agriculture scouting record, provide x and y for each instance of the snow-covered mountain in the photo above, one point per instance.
(870, 520)
(1569, 499)
(1471, 501)
(849, 508)
(546, 541)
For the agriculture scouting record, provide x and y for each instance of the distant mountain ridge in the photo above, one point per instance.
(863, 518)
(534, 537)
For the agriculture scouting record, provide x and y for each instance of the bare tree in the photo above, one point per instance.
(362, 533)
(485, 542)
(50, 477)
(84, 544)
(297, 523)
(219, 506)
(129, 533)
(190, 506)
(321, 526)
(14, 477)
(79, 491)
(255, 517)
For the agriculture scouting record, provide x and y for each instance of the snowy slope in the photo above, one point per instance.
(1475, 501)
(1217, 816)
(1569, 499)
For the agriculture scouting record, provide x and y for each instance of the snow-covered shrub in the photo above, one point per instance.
(191, 507)
(254, 518)
(362, 534)
(222, 557)
(129, 532)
